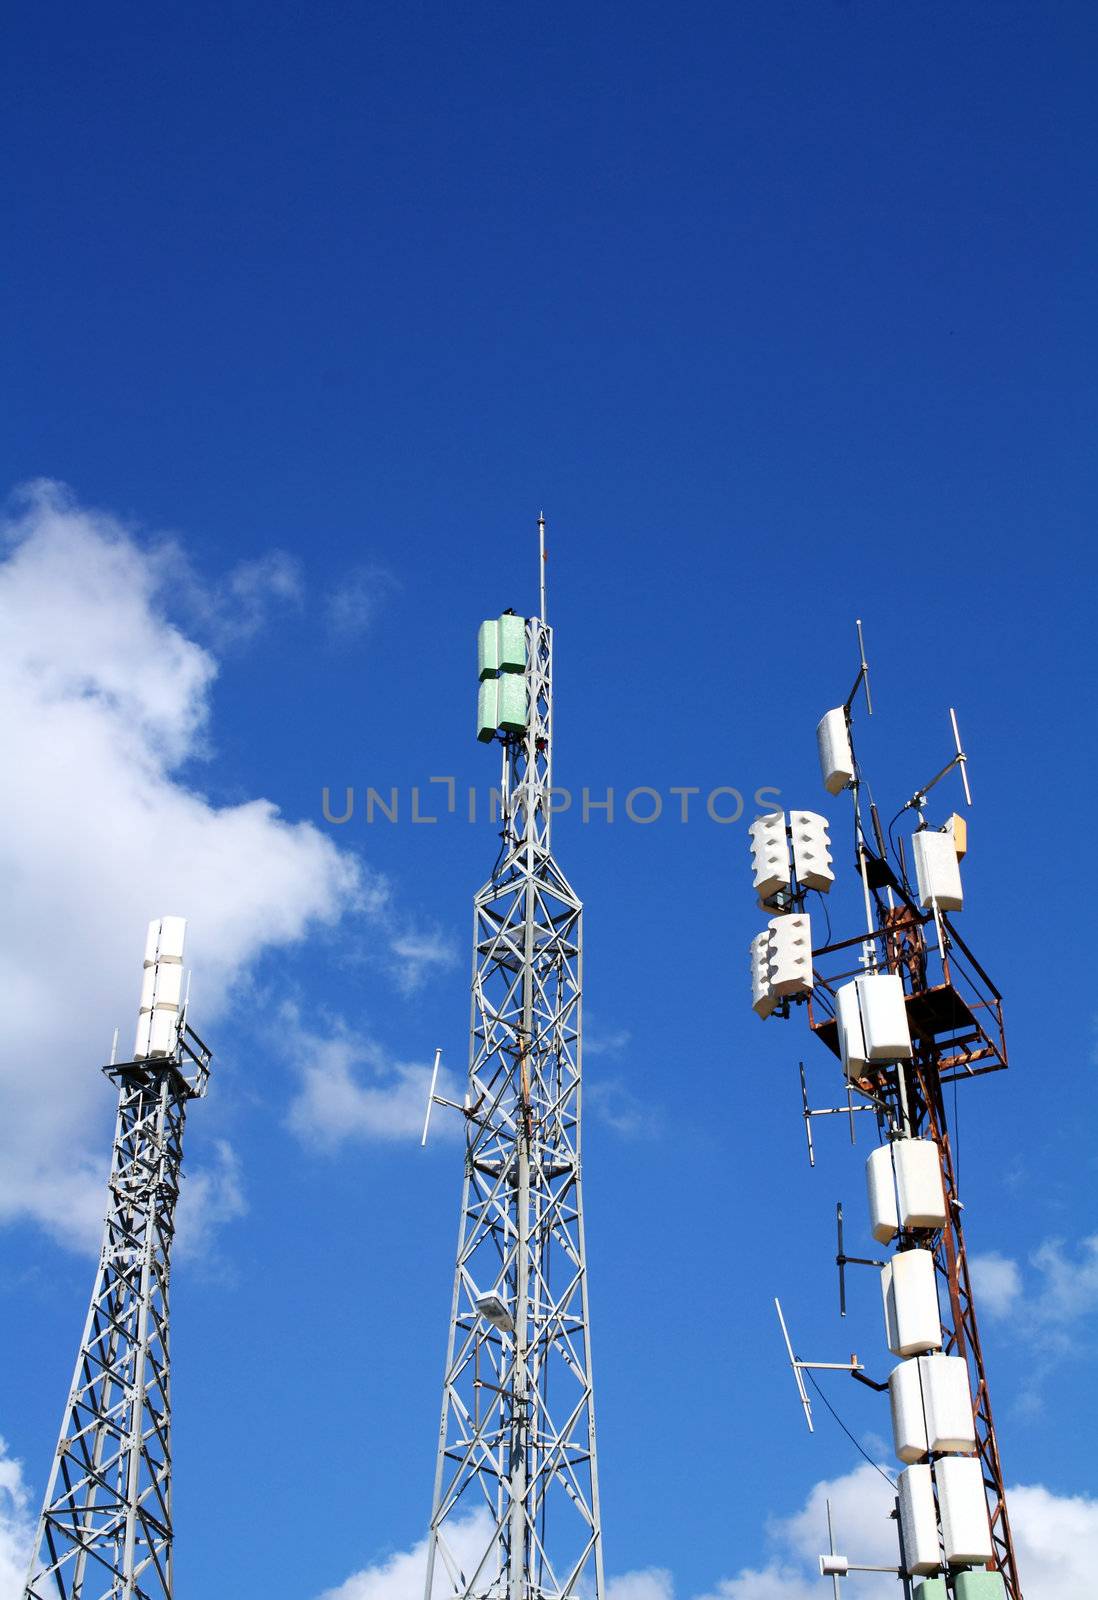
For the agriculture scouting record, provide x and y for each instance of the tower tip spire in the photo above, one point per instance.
(541, 561)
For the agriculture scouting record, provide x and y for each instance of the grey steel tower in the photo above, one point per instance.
(517, 1436)
(106, 1525)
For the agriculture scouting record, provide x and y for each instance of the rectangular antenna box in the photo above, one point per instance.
(962, 1502)
(937, 870)
(884, 1017)
(488, 649)
(769, 854)
(979, 1585)
(512, 644)
(910, 1294)
(512, 702)
(811, 850)
(487, 708)
(931, 1407)
(836, 756)
(164, 941)
(791, 954)
(848, 1023)
(918, 1521)
(904, 1187)
(931, 1589)
(763, 999)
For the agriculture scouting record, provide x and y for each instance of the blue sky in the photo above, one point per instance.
(784, 313)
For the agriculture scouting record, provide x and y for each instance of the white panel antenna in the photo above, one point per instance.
(811, 850)
(770, 862)
(791, 954)
(937, 870)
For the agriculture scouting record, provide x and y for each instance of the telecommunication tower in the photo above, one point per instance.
(908, 1009)
(517, 1434)
(105, 1532)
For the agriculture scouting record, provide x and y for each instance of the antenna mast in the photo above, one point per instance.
(517, 1432)
(908, 1009)
(105, 1532)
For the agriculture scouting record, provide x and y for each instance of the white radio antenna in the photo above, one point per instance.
(863, 677)
(918, 799)
(799, 1366)
(431, 1097)
(541, 561)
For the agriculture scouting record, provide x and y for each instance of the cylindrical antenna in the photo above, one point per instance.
(114, 1048)
(541, 560)
(431, 1098)
(864, 665)
(962, 759)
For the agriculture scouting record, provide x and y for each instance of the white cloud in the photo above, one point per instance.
(401, 1576)
(352, 606)
(1056, 1538)
(613, 1102)
(232, 610)
(597, 1043)
(1068, 1289)
(1056, 1542)
(1050, 1301)
(415, 954)
(101, 699)
(996, 1282)
(349, 1089)
(210, 1196)
(16, 1526)
(648, 1583)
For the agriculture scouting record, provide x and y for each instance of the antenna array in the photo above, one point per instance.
(105, 1532)
(906, 1008)
(517, 1432)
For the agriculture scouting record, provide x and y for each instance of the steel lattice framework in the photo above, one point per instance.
(106, 1525)
(517, 1435)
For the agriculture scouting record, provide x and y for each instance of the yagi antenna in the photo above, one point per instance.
(918, 799)
(799, 1367)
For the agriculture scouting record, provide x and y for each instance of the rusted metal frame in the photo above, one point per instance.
(928, 1108)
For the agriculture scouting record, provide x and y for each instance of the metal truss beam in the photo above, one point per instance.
(105, 1532)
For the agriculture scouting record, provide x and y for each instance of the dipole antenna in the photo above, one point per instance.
(105, 1532)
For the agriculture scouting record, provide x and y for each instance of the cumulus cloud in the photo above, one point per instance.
(1056, 1538)
(647, 1583)
(102, 699)
(401, 1576)
(1056, 1542)
(16, 1526)
(350, 1090)
(211, 1196)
